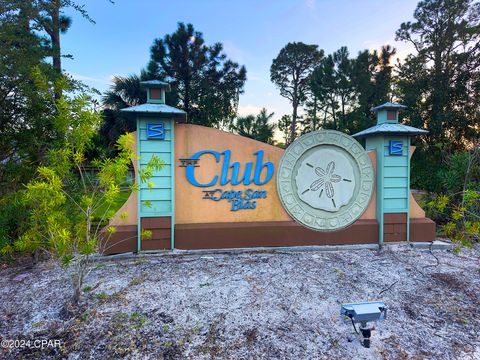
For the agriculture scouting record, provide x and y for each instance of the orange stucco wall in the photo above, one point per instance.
(130, 208)
(416, 212)
(191, 208)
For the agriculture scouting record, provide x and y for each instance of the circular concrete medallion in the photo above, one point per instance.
(325, 180)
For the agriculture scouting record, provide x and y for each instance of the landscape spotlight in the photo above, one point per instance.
(363, 313)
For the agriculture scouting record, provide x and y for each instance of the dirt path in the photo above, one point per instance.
(250, 306)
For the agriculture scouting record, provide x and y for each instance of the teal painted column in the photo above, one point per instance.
(155, 137)
(158, 199)
(376, 143)
(391, 141)
(172, 178)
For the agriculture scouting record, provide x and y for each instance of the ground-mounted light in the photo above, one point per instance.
(363, 313)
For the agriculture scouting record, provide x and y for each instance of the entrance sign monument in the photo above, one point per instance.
(221, 190)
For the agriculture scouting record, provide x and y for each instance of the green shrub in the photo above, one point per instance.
(66, 203)
(459, 173)
(457, 209)
(425, 167)
(13, 217)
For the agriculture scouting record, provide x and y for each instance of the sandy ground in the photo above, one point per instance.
(249, 306)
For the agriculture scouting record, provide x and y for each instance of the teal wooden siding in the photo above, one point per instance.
(146, 156)
(395, 182)
(376, 143)
(163, 182)
(160, 196)
(395, 193)
(156, 208)
(395, 177)
(394, 205)
(168, 133)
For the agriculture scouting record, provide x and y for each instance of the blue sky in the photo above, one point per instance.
(253, 32)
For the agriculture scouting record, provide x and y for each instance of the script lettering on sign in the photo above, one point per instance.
(233, 174)
(238, 199)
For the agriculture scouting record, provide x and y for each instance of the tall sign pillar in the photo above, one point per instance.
(155, 136)
(391, 141)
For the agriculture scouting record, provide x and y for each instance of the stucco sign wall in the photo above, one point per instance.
(222, 177)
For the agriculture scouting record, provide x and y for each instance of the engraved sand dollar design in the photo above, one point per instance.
(325, 180)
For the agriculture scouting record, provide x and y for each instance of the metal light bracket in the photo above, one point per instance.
(363, 313)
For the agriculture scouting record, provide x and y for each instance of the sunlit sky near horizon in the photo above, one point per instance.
(252, 32)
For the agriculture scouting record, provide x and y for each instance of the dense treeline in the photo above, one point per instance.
(204, 82)
(30, 52)
(439, 83)
(33, 87)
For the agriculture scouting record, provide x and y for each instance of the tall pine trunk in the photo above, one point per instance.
(55, 39)
(293, 126)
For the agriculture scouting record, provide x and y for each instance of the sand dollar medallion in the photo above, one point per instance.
(329, 179)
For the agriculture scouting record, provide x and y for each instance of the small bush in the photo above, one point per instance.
(66, 203)
(457, 210)
(13, 217)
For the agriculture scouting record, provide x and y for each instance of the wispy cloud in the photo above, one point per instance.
(256, 77)
(105, 80)
(311, 4)
(234, 52)
(403, 49)
(248, 109)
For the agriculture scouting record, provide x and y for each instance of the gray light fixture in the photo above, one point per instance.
(363, 313)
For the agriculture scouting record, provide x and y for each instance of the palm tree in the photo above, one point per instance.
(255, 127)
(124, 92)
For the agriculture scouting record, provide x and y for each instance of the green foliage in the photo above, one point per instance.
(29, 37)
(101, 297)
(124, 92)
(206, 83)
(440, 82)
(284, 125)
(145, 234)
(458, 209)
(344, 89)
(290, 72)
(255, 127)
(106, 210)
(332, 85)
(26, 128)
(337, 91)
(461, 220)
(64, 199)
(47, 18)
(25, 144)
(454, 172)
(311, 120)
(12, 221)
